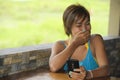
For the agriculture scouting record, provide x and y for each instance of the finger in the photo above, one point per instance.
(82, 68)
(78, 76)
(76, 69)
(81, 75)
(82, 33)
(86, 33)
(70, 73)
(79, 32)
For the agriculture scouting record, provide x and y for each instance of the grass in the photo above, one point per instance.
(33, 22)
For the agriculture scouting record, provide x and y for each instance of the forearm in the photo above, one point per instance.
(56, 62)
(99, 72)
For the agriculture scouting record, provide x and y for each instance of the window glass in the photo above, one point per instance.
(33, 22)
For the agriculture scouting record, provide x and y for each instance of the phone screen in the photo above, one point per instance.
(72, 64)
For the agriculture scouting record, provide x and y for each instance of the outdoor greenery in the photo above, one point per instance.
(33, 22)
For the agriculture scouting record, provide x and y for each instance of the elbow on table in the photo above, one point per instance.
(53, 68)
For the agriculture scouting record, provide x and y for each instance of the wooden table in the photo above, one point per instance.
(42, 73)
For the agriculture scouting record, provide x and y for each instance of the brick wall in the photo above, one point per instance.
(112, 45)
(15, 60)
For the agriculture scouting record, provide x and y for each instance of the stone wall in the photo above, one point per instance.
(112, 45)
(15, 60)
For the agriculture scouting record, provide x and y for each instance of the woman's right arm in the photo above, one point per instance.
(59, 55)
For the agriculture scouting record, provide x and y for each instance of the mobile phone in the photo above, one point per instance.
(72, 64)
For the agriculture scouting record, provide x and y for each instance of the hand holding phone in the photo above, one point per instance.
(72, 64)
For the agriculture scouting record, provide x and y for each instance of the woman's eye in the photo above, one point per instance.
(79, 24)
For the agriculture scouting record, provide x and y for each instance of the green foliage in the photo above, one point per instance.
(32, 22)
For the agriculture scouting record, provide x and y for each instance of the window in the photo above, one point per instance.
(32, 22)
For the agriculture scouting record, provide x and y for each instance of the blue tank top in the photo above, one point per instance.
(89, 62)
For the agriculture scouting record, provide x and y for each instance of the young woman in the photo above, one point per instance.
(86, 48)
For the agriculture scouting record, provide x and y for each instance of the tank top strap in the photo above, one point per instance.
(63, 43)
(89, 44)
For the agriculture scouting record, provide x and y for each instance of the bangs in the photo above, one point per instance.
(82, 17)
(72, 14)
(81, 13)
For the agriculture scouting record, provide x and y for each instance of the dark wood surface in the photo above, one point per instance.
(41, 73)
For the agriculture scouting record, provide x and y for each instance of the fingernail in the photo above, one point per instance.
(83, 30)
(70, 72)
(74, 69)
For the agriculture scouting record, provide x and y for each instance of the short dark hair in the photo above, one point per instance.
(71, 12)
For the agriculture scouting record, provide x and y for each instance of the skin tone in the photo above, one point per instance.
(80, 34)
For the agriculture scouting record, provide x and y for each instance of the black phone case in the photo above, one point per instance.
(72, 64)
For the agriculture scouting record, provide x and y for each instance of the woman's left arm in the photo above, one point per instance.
(101, 57)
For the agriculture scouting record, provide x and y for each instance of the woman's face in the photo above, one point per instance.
(81, 25)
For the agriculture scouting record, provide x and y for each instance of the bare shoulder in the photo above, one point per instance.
(96, 38)
(58, 46)
(61, 43)
(99, 50)
(97, 42)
